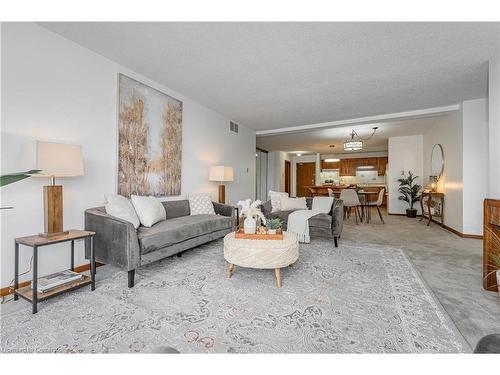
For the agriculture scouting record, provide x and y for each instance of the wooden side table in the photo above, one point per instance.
(31, 293)
(432, 197)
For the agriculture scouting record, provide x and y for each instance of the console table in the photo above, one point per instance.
(31, 294)
(432, 201)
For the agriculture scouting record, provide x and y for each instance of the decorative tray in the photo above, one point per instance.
(259, 236)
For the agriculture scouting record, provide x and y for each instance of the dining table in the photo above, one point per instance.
(365, 203)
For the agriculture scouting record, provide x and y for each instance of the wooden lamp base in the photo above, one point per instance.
(222, 194)
(53, 211)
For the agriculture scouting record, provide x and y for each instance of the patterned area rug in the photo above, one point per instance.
(353, 299)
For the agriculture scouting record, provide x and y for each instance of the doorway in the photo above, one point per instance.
(306, 176)
(287, 176)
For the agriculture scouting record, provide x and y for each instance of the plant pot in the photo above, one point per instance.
(249, 225)
(411, 212)
(271, 231)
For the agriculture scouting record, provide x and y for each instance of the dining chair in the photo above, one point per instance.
(350, 199)
(378, 203)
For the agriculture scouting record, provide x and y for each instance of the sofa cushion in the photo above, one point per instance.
(321, 221)
(149, 209)
(176, 208)
(201, 204)
(172, 231)
(121, 207)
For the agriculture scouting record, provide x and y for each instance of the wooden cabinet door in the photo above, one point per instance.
(347, 167)
(306, 176)
(329, 164)
(382, 165)
(343, 167)
(353, 164)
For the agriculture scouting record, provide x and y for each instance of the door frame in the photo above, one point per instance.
(288, 179)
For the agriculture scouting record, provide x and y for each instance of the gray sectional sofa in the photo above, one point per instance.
(322, 225)
(118, 243)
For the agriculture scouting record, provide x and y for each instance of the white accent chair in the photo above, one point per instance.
(378, 203)
(351, 199)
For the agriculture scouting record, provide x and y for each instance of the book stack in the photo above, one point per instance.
(49, 282)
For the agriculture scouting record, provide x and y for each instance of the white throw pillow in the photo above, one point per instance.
(149, 209)
(276, 200)
(201, 204)
(322, 204)
(288, 204)
(122, 208)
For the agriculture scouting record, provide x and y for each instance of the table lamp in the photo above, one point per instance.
(433, 180)
(53, 160)
(220, 174)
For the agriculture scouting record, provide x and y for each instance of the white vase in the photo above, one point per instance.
(271, 231)
(250, 225)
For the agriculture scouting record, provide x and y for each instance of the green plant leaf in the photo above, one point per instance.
(8, 179)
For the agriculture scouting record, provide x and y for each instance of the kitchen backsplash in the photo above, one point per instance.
(362, 177)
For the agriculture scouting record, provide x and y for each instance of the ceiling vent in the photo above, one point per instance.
(233, 127)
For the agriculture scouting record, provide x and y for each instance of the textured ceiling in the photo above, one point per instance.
(275, 75)
(320, 140)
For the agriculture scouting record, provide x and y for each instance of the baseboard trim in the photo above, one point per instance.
(459, 234)
(83, 268)
(454, 231)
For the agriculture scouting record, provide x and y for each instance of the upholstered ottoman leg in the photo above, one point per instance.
(335, 239)
(230, 270)
(277, 272)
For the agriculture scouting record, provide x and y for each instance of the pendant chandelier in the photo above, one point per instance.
(356, 143)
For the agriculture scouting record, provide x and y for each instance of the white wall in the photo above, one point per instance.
(475, 163)
(405, 153)
(276, 170)
(494, 126)
(54, 89)
(447, 131)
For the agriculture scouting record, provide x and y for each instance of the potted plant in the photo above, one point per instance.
(410, 193)
(273, 225)
(8, 179)
(251, 212)
(494, 260)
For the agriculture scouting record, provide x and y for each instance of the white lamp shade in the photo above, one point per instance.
(53, 159)
(221, 173)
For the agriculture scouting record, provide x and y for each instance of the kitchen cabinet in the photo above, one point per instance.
(329, 164)
(382, 165)
(367, 162)
(348, 167)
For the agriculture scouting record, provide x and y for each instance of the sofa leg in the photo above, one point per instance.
(335, 239)
(179, 255)
(131, 275)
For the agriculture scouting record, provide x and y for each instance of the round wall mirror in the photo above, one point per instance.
(437, 161)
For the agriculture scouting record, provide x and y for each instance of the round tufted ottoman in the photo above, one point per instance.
(263, 254)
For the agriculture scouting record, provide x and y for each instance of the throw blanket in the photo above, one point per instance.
(298, 221)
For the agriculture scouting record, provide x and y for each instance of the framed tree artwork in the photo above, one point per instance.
(149, 140)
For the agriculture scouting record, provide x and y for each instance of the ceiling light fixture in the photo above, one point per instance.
(332, 160)
(356, 143)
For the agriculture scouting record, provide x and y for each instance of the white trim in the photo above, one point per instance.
(361, 120)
